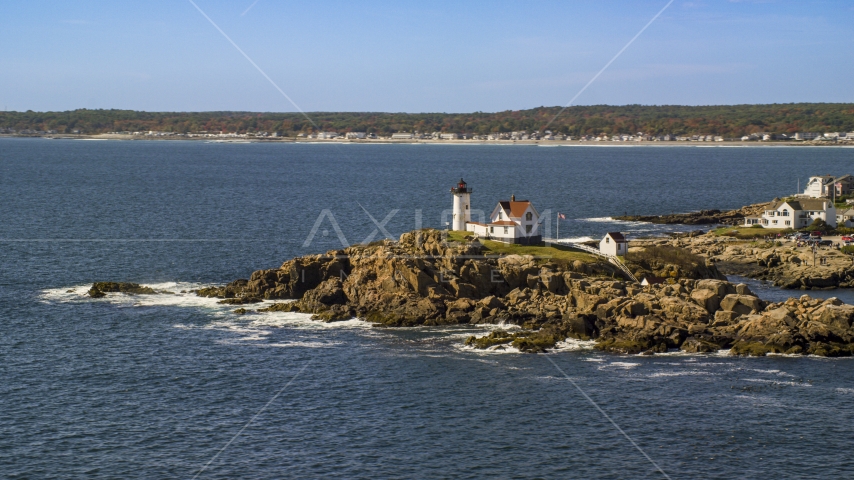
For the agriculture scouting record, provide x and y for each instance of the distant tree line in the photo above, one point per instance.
(724, 120)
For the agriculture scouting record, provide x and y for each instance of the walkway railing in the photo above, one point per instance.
(595, 251)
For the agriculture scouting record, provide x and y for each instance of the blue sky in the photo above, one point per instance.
(436, 56)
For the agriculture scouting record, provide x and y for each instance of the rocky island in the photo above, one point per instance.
(430, 277)
(702, 217)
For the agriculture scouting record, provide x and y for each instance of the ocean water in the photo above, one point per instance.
(172, 385)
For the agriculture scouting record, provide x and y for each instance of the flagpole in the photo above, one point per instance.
(558, 225)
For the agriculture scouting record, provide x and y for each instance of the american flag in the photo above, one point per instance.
(561, 216)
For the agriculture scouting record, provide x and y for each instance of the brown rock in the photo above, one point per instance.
(708, 299)
(742, 304)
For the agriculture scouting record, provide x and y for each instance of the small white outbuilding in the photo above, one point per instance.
(614, 243)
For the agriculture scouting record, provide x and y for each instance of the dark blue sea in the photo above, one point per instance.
(175, 386)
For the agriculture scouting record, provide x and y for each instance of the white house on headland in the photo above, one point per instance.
(513, 221)
(795, 213)
(819, 186)
(615, 244)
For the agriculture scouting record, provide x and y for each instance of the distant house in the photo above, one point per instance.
(844, 185)
(327, 135)
(806, 136)
(355, 135)
(845, 219)
(513, 221)
(402, 136)
(795, 213)
(614, 244)
(449, 136)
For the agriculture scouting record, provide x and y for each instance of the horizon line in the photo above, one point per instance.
(541, 107)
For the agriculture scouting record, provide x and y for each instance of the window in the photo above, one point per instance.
(491, 229)
(788, 222)
(527, 229)
(785, 212)
(529, 216)
(500, 215)
(774, 222)
(467, 207)
(607, 239)
(505, 230)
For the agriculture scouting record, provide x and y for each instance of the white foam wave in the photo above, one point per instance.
(573, 345)
(493, 350)
(681, 373)
(611, 220)
(178, 294)
(577, 239)
(677, 353)
(768, 371)
(169, 294)
(303, 321)
(623, 365)
(777, 382)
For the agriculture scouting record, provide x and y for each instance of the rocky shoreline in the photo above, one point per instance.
(422, 279)
(783, 263)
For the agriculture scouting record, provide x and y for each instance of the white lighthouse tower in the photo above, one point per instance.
(462, 206)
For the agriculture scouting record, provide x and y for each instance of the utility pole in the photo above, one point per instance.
(814, 249)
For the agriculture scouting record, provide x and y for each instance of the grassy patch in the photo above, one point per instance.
(556, 252)
(459, 236)
(749, 232)
(553, 252)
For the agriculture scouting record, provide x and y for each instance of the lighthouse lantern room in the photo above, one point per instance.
(462, 206)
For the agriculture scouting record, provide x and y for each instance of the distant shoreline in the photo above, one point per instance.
(543, 143)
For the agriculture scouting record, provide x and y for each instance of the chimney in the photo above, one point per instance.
(512, 198)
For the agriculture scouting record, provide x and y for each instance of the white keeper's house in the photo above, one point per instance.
(614, 244)
(795, 214)
(511, 221)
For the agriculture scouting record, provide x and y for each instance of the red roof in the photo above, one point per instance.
(516, 208)
(503, 222)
